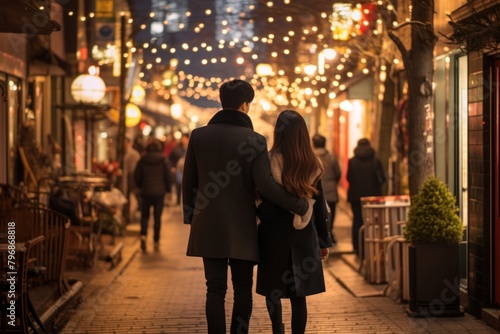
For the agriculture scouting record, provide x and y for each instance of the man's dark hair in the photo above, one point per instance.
(318, 141)
(234, 93)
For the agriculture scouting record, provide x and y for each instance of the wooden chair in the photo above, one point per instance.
(18, 315)
(85, 228)
(49, 255)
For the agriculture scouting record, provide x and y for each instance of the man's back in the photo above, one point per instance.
(223, 217)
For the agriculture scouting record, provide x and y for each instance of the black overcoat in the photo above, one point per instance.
(289, 258)
(363, 172)
(152, 174)
(226, 161)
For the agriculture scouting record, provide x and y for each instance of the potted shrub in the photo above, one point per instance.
(434, 231)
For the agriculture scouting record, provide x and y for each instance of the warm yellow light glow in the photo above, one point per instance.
(138, 94)
(346, 105)
(329, 54)
(176, 111)
(310, 69)
(264, 70)
(356, 15)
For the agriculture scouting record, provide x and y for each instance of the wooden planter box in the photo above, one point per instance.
(434, 281)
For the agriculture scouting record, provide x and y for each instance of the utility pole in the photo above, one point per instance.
(120, 140)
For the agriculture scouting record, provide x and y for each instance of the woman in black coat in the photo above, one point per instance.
(291, 248)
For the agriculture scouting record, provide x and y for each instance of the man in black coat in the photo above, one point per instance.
(226, 162)
(365, 175)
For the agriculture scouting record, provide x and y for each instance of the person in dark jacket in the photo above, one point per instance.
(225, 162)
(152, 178)
(291, 250)
(330, 178)
(365, 175)
(178, 153)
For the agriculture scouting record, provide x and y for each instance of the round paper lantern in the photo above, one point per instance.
(133, 115)
(88, 88)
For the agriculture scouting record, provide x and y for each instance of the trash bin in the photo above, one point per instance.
(382, 216)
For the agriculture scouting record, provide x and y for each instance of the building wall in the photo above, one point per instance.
(479, 193)
(12, 81)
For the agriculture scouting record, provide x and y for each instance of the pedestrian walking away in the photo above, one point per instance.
(226, 161)
(329, 179)
(130, 160)
(291, 250)
(365, 175)
(177, 155)
(152, 178)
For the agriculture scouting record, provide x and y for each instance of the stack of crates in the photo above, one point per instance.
(382, 222)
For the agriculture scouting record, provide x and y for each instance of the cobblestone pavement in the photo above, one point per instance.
(164, 292)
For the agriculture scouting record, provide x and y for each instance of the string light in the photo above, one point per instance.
(291, 37)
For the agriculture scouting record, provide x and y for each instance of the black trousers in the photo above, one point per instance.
(357, 222)
(242, 279)
(157, 204)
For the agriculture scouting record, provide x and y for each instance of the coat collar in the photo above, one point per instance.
(232, 116)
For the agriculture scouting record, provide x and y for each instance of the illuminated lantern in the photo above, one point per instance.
(133, 115)
(88, 88)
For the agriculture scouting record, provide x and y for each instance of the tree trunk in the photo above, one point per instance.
(420, 73)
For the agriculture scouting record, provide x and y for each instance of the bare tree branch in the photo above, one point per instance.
(480, 32)
(401, 47)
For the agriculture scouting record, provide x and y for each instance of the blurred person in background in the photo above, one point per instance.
(153, 179)
(330, 178)
(365, 175)
(178, 152)
(130, 160)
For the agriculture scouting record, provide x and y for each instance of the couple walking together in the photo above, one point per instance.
(229, 179)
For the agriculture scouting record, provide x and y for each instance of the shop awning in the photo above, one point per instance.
(41, 68)
(21, 16)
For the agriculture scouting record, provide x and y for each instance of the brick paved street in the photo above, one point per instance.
(164, 292)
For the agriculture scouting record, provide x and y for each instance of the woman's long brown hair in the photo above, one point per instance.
(291, 140)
